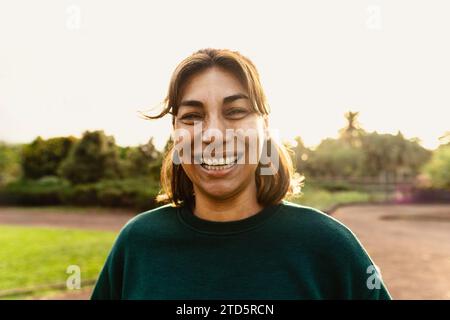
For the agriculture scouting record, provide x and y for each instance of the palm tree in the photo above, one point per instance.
(353, 131)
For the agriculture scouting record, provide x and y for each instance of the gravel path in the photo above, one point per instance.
(410, 244)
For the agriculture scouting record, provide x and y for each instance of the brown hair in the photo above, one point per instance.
(177, 188)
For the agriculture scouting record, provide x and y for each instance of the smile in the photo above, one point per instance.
(222, 164)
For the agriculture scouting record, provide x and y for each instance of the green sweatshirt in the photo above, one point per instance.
(285, 251)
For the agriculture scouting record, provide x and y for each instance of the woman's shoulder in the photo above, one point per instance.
(332, 243)
(307, 215)
(154, 215)
(318, 226)
(151, 221)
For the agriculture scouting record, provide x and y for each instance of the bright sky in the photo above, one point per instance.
(69, 66)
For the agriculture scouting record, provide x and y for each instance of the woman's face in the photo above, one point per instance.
(224, 132)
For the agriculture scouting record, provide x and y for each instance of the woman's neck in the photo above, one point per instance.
(240, 206)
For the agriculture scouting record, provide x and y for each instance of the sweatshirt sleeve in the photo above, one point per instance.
(362, 275)
(110, 280)
(367, 282)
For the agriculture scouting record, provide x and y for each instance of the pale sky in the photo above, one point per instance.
(69, 66)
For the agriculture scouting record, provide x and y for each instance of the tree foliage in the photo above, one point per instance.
(357, 153)
(43, 157)
(438, 168)
(141, 160)
(93, 158)
(9, 163)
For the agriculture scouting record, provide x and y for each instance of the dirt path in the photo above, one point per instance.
(410, 243)
(89, 218)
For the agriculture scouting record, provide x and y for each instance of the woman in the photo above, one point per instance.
(227, 231)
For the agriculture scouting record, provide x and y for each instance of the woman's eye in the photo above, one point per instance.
(191, 117)
(237, 112)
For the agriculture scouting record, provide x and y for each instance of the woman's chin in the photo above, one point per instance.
(218, 190)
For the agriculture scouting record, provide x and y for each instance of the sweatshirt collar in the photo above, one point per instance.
(226, 227)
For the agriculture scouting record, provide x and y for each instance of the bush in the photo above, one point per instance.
(43, 157)
(335, 158)
(80, 195)
(10, 169)
(93, 158)
(140, 161)
(45, 191)
(438, 168)
(136, 193)
(333, 186)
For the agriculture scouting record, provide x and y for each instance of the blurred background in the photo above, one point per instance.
(359, 91)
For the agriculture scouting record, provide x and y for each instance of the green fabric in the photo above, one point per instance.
(285, 251)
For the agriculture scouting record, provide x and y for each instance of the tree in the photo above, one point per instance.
(43, 157)
(392, 155)
(9, 163)
(93, 158)
(438, 168)
(140, 160)
(375, 155)
(352, 132)
(335, 158)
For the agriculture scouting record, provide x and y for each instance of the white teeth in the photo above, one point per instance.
(219, 162)
(218, 168)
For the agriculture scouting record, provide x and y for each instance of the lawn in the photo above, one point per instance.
(31, 256)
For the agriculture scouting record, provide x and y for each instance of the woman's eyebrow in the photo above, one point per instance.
(233, 97)
(229, 99)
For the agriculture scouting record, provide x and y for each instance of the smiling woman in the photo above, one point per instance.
(220, 90)
(227, 231)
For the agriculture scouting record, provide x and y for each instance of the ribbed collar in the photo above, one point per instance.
(226, 227)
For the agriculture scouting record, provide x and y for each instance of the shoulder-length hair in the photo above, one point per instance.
(177, 188)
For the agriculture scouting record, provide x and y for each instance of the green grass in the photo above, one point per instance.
(323, 199)
(31, 256)
(50, 294)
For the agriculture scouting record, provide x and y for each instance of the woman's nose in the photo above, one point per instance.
(213, 129)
